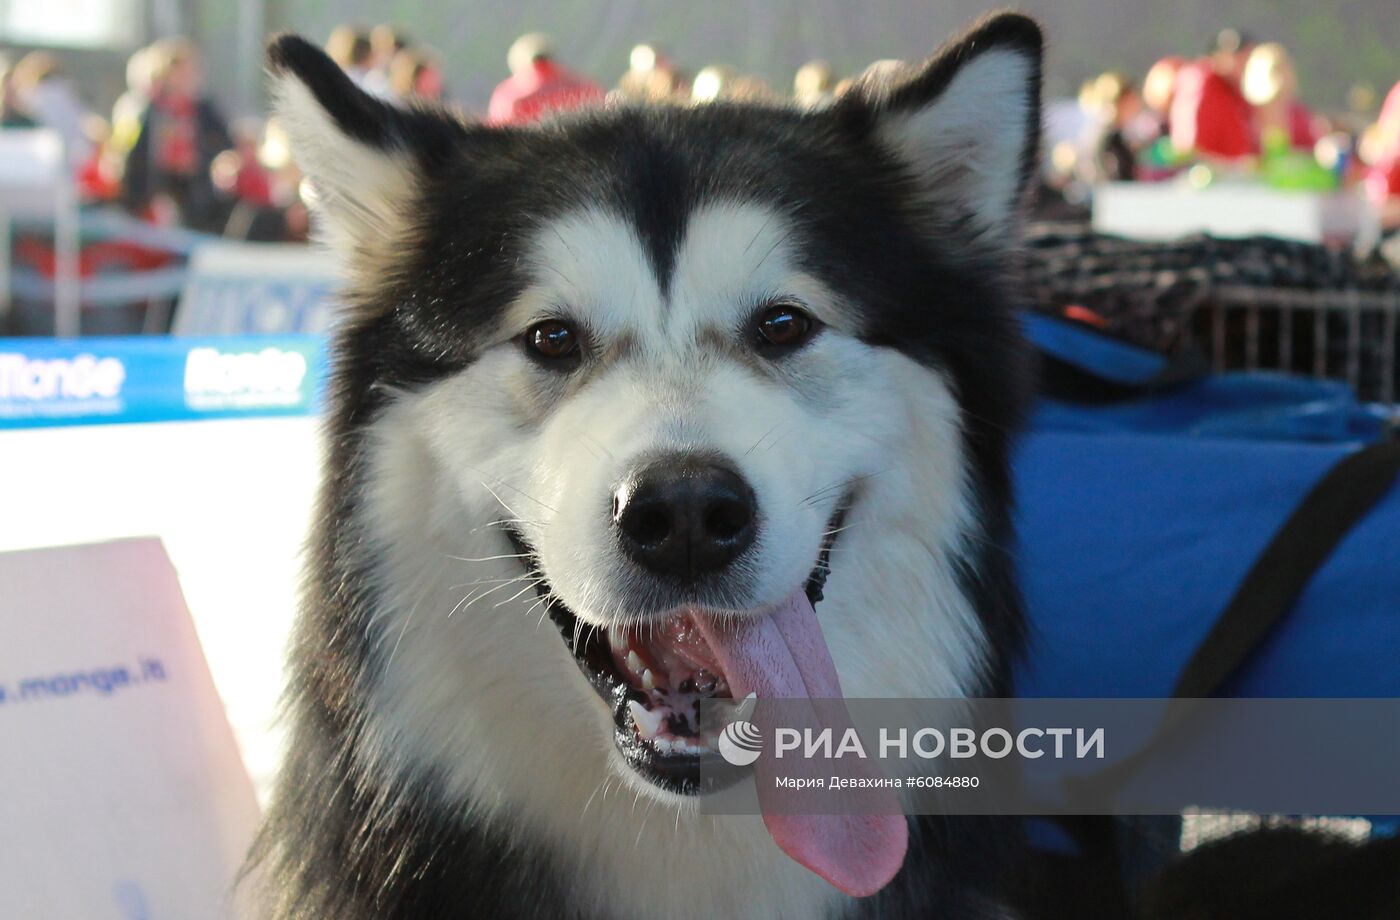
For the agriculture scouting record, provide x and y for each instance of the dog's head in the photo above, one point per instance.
(668, 377)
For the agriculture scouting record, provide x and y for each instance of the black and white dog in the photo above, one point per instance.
(617, 399)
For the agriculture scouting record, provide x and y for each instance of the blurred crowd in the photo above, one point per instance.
(167, 154)
(1233, 111)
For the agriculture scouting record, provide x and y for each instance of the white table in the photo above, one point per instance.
(1168, 210)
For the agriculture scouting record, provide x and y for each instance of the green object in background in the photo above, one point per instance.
(1162, 155)
(1293, 170)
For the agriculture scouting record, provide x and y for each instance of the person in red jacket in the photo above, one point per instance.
(1270, 84)
(537, 85)
(1209, 114)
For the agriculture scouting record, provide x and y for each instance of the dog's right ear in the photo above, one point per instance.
(363, 156)
(965, 124)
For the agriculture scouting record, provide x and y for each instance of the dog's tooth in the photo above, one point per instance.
(634, 662)
(647, 722)
(648, 680)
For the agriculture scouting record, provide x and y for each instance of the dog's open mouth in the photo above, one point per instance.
(655, 675)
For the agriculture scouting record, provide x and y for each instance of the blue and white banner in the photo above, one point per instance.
(45, 382)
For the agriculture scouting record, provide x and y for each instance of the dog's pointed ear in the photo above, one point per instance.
(966, 122)
(364, 157)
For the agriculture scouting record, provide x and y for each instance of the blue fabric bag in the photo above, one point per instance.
(1138, 520)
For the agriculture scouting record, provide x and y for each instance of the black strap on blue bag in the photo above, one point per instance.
(1334, 505)
(1271, 587)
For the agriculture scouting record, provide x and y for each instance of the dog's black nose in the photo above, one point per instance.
(684, 515)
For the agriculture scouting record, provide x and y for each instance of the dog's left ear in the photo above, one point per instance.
(966, 122)
(364, 157)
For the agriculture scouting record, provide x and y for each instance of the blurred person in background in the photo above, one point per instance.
(1159, 159)
(1209, 115)
(167, 173)
(717, 82)
(99, 176)
(813, 85)
(240, 176)
(414, 74)
(650, 77)
(1380, 149)
(537, 84)
(130, 107)
(12, 114)
(262, 184)
(386, 42)
(238, 172)
(351, 48)
(1159, 89)
(711, 83)
(1113, 104)
(1270, 84)
(45, 95)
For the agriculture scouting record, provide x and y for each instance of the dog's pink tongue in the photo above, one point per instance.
(783, 655)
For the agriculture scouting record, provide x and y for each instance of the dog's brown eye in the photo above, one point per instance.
(552, 339)
(785, 326)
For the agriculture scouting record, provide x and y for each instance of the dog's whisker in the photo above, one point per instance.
(483, 581)
(583, 814)
(515, 596)
(501, 522)
(585, 436)
(413, 611)
(760, 231)
(465, 603)
(841, 484)
(500, 501)
(518, 491)
(764, 437)
(771, 249)
(487, 558)
(651, 805)
(588, 447)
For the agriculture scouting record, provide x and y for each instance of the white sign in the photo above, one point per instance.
(122, 794)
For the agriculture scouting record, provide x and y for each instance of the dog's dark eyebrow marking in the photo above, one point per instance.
(654, 189)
